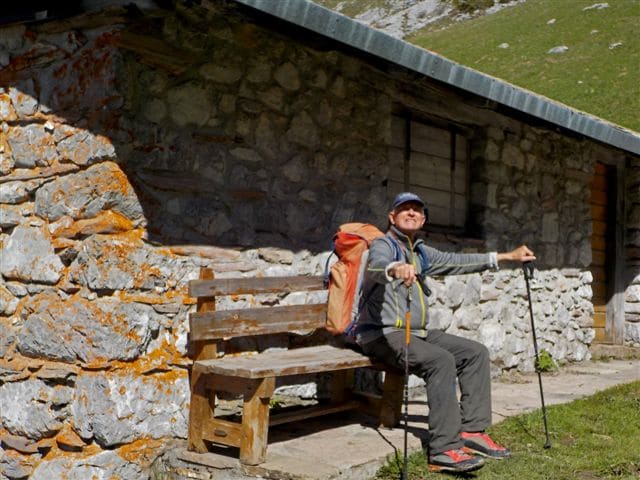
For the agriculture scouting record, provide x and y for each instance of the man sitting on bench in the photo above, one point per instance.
(391, 288)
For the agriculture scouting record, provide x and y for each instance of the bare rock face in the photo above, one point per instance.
(29, 408)
(87, 193)
(401, 18)
(28, 255)
(125, 262)
(107, 464)
(77, 329)
(124, 408)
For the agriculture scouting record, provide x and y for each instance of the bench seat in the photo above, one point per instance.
(279, 363)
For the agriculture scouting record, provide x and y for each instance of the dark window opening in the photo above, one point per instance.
(432, 161)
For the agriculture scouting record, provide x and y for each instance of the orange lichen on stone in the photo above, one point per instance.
(143, 449)
(80, 152)
(163, 358)
(5, 100)
(97, 364)
(62, 243)
(106, 222)
(87, 451)
(206, 251)
(59, 368)
(169, 379)
(150, 298)
(119, 250)
(68, 440)
(189, 300)
(118, 181)
(23, 366)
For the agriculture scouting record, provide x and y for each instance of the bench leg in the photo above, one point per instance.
(255, 421)
(200, 411)
(391, 405)
(341, 386)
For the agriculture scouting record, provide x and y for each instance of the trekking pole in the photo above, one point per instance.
(528, 268)
(407, 340)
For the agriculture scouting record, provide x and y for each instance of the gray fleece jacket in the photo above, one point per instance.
(384, 299)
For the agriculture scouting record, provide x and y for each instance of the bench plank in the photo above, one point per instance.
(253, 285)
(285, 362)
(256, 321)
(312, 412)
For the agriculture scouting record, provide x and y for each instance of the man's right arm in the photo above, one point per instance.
(381, 262)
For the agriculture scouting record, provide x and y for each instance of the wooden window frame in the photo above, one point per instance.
(458, 185)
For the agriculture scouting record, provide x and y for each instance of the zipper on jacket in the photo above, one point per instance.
(398, 319)
(422, 305)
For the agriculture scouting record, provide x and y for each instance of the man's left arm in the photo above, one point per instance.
(448, 263)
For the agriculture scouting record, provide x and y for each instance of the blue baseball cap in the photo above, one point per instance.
(405, 197)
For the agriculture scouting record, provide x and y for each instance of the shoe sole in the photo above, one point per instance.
(472, 451)
(444, 468)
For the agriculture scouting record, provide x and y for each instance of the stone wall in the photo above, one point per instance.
(632, 242)
(134, 152)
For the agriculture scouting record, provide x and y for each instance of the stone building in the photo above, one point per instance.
(140, 143)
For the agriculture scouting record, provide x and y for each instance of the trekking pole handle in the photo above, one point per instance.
(425, 288)
(528, 268)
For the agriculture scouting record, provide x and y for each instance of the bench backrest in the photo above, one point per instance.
(210, 324)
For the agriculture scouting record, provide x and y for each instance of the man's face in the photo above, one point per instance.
(408, 218)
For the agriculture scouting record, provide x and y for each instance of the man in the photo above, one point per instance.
(392, 286)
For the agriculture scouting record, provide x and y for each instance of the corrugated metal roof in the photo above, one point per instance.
(316, 18)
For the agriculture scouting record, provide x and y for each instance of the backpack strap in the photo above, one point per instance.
(397, 251)
(424, 259)
(327, 269)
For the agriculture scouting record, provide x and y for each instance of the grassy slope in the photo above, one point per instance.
(590, 76)
(588, 442)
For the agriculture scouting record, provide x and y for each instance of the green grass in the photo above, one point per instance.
(592, 438)
(590, 76)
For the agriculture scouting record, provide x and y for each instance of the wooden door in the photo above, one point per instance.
(602, 243)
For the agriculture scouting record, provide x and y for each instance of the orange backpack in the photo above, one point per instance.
(351, 245)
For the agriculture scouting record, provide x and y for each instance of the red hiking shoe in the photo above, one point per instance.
(480, 443)
(454, 461)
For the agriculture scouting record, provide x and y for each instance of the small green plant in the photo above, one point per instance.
(545, 362)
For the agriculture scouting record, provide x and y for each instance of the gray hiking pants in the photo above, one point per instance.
(439, 359)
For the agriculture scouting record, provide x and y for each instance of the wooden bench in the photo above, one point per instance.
(253, 375)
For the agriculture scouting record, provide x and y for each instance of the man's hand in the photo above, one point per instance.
(405, 272)
(520, 254)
